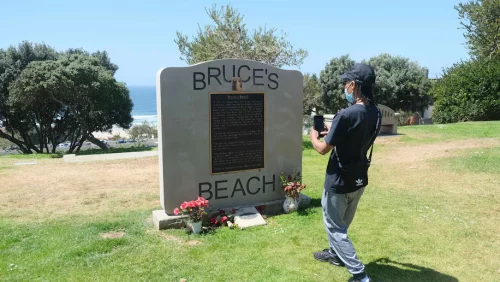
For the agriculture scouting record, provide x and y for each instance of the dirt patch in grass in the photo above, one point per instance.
(113, 235)
(179, 240)
(55, 188)
(404, 154)
(416, 169)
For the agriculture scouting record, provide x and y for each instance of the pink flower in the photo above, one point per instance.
(199, 203)
(192, 204)
(184, 205)
(177, 211)
(224, 219)
(201, 199)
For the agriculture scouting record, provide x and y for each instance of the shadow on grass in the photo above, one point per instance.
(113, 150)
(384, 269)
(382, 134)
(305, 211)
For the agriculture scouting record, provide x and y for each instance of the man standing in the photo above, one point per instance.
(351, 133)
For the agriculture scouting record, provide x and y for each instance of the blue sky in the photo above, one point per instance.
(139, 35)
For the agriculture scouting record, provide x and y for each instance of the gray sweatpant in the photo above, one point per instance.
(338, 213)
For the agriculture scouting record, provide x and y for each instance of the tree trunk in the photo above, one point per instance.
(74, 140)
(29, 144)
(97, 142)
(81, 143)
(53, 142)
(39, 131)
(19, 143)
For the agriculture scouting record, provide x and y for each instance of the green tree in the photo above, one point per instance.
(401, 84)
(228, 37)
(94, 96)
(332, 88)
(312, 95)
(31, 94)
(139, 132)
(70, 98)
(101, 58)
(468, 91)
(481, 21)
(18, 126)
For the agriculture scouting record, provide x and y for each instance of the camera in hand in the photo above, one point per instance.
(319, 124)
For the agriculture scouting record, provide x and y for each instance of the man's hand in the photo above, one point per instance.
(327, 129)
(313, 134)
(321, 147)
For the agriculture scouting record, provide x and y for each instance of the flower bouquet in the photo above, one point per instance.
(223, 218)
(292, 185)
(195, 211)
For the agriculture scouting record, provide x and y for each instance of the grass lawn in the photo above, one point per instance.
(431, 213)
(111, 150)
(31, 156)
(449, 132)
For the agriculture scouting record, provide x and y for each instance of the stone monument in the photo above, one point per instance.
(227, 129)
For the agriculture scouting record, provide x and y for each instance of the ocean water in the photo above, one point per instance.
(144, 99)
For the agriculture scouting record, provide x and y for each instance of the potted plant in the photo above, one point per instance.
(292, 185)
(195, 211)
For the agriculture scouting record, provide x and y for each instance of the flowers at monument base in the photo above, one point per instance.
(194, 209)
(223, 218)
(292, 184)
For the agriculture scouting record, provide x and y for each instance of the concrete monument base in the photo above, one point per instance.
(162, 220)
(248, 217)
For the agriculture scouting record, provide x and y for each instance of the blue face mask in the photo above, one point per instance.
(349, 96)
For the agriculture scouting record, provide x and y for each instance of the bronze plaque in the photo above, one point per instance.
(237, 139)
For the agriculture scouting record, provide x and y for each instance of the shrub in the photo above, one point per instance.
(468, 91)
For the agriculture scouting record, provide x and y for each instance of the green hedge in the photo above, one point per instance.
(468, 91)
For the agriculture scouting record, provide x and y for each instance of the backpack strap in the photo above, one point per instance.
(377, 131)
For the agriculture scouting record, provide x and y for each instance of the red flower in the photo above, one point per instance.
(233, 210)
(222, 212)
(176, 211)
(224, 219)
(213, 220)
(192, 204)
(184, 205)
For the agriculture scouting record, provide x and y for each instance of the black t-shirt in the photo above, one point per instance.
(350, 133)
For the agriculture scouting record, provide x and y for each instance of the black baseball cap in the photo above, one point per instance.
(362, 74)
